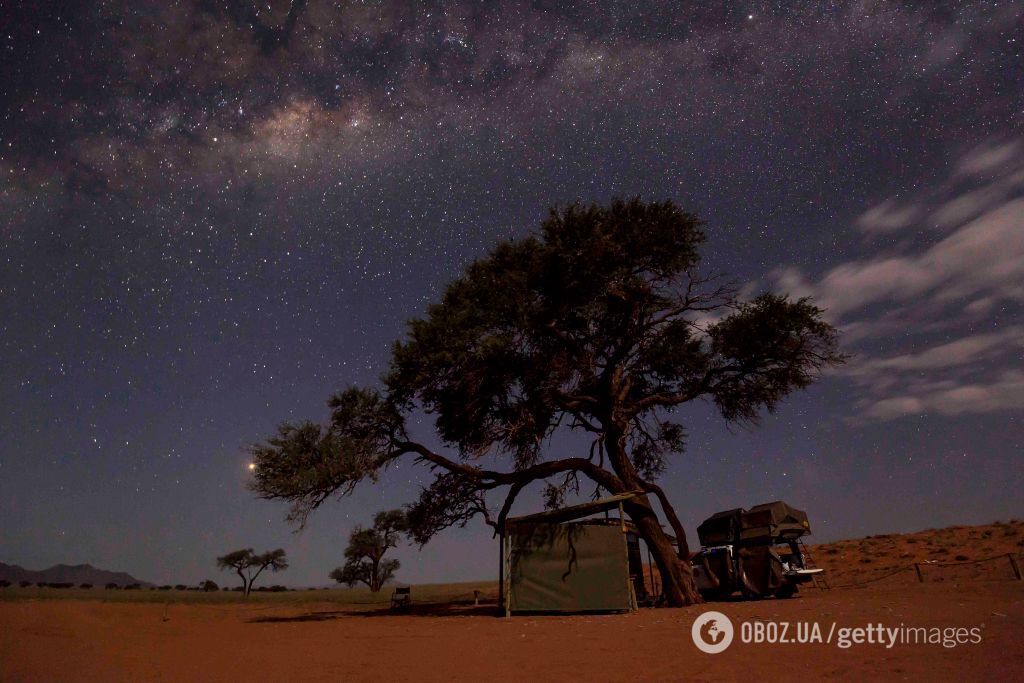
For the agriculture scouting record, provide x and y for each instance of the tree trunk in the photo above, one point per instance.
(676, 573)
(375, 575)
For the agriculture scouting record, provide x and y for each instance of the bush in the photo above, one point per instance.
(112, 587)
(85, 585)
(165, 588)
(133, 586)
(24, 584)
(180, 587)
(5, 583)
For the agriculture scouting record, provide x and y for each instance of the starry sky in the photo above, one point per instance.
(215, 213)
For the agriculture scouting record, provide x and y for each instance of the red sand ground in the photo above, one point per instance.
(71, 640)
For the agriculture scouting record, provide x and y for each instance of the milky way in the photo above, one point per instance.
(214, 214)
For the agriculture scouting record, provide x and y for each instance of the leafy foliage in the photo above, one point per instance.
(364, 555)
(248, 565)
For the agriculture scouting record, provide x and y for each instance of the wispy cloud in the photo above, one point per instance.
(910, 294)
(1005, 393)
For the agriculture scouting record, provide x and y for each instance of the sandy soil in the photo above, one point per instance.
(949, 554)
(71, 640)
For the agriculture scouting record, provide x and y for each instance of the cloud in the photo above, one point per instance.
(988, 157)
(1006, 393)
(954, 285)
(963, 207)
(959, 352)
(985, 256)
(887, 216)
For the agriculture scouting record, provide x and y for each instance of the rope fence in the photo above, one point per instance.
(918, 566)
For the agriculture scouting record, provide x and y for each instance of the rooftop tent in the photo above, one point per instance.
(765, 523)
(555, 562)
(721, 528)
(775, 520)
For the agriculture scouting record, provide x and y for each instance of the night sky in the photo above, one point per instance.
(216, 213)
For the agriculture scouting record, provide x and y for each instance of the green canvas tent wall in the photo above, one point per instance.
(553, 563)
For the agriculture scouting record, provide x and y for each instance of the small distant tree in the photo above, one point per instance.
(249, 565)
(209, 586)
(5, 583)
(364, 556)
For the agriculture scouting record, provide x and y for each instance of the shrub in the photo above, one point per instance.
(85, 585)
(5, 583)
(133, 586)
(180, 587)
(24, 584)
(165, 588)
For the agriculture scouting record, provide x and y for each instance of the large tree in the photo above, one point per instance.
(364, 556)
(248, 565)
(602, 324)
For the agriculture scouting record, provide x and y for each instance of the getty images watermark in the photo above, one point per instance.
(713, 632)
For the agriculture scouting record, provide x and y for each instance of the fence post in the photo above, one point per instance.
(1014, 565)
(917, 568)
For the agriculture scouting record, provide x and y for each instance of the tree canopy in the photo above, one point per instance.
(600, 323)
(248, 565)
(364, 556)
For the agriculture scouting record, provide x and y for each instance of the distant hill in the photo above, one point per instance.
(67, 573)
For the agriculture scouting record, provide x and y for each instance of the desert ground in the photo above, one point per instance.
(324, 635)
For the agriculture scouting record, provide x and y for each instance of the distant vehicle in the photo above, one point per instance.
(755, 552)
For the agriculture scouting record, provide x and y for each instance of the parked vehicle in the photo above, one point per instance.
(755, 552)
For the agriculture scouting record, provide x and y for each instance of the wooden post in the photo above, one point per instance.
(1014, 566)
(917, 568)
(633, 603)
(507, 580)
(501, 569)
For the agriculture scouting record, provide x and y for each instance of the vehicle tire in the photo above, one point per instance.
(714, 594)
(786, 590)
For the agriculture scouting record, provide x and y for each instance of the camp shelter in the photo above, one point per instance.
(557, 561)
